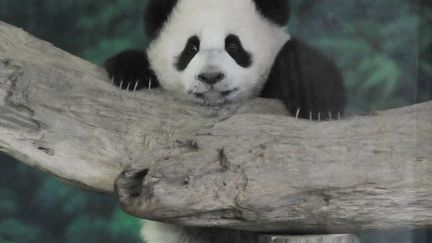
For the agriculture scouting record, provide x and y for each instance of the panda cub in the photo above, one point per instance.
(219, 51)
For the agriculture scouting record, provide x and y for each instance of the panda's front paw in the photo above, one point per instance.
(130, 70)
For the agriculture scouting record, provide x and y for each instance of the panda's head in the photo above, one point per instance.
(215, 51)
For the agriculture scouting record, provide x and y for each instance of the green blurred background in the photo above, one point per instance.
(383, 47)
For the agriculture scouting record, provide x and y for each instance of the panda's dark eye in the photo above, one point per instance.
(193, 49)
(235, 49)
(232, 48)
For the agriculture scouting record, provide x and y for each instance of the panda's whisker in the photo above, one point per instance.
(298, 114)
(136, 86)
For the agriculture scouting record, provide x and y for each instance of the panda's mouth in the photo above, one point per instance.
(214, 96)
(213, 92)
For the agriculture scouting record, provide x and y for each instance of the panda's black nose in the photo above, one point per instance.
(211, 78)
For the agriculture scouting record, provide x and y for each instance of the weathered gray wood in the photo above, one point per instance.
(265, 173)
(310, 239)
(226, 166)
(58, 113)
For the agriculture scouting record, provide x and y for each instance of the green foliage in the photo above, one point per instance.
(91, 29)
(17, 231)
(376, 49)
(37, 208)
(8, 204)
(118, 229)
(121, 225)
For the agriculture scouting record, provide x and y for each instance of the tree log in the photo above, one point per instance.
(270, 173)
(246, 165)
(59, 114)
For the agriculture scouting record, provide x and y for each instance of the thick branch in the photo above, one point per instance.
(269, 173)
(58, 113)
(230, 166)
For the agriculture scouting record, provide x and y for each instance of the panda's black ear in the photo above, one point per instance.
(156, 14)
(275, 10)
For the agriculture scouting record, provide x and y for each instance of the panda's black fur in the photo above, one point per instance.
(308, 83)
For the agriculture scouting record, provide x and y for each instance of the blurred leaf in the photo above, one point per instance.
(384, 75)
(123, 224)
(95, 230)
(56, 197)
(86, 229)
(15, 231)
(8, 204)
(426, 67)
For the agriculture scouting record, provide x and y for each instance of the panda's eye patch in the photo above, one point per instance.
(235, 49)
(188, 53)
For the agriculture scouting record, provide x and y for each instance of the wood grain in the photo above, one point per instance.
(309, 239)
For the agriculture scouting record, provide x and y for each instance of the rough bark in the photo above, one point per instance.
(234, 166)
(309, 239)
(269, 173)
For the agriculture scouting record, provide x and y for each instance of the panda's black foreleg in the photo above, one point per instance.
(131, 70)
(307, 82)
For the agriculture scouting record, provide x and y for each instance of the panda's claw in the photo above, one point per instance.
(130, 70)
(319, 116)
(150, 83)
(330, 115)
(339, 116)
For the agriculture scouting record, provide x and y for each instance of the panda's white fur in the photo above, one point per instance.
(259, 36)
(155, 232)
